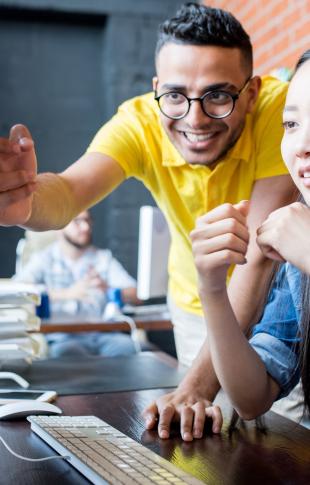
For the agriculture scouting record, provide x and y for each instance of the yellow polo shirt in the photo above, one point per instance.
(134, 138)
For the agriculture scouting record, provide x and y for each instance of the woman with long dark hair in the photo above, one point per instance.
(256, 372)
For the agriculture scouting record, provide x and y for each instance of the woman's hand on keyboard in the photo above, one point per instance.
(189, 409)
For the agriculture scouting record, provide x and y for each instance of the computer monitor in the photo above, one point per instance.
(153, 251)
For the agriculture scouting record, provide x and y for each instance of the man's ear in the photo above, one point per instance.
(253, 91)
(155, 83)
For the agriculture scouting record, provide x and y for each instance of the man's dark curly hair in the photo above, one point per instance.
(201, 25)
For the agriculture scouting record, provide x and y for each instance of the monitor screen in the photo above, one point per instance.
(153, 252)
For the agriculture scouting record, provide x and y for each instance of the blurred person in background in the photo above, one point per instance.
(77, 275)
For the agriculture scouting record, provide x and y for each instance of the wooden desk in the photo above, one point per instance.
(281, 457)
(248, 457)
(74, 324)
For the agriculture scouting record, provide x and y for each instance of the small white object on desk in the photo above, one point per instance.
(26, 408)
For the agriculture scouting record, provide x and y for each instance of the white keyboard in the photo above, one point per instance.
(104, 455)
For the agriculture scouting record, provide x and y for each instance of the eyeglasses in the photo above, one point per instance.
(83, 220)
(215, 103)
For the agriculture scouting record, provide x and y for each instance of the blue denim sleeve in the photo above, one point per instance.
(280, 361)
(275, 337)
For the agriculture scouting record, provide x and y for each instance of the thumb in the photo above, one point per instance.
(243, 207)
(18, 132)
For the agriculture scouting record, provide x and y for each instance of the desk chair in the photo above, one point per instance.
(31, 243)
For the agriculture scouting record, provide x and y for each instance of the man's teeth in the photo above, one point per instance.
(195, 138)
(306, 175)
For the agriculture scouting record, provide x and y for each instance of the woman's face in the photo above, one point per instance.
(295, 145)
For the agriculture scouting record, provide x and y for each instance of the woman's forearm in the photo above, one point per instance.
(239, 369)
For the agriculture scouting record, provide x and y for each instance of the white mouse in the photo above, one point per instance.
(21, 409)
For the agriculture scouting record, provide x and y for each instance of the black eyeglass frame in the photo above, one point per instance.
(80, 220)
(234, 97)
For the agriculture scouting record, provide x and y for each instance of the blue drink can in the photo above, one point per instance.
(115, 295)
(43, 310)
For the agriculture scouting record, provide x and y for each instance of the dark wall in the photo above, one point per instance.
(65, 67)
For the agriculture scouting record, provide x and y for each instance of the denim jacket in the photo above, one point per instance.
(275, 338)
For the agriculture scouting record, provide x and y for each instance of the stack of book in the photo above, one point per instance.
(18, 303)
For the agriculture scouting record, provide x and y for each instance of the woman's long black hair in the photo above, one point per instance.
(304, 354)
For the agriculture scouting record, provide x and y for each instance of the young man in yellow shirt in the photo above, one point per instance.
(211, 136)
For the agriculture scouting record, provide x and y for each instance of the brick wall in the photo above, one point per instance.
(279, 29)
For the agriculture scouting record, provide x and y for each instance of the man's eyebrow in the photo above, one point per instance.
(210, 87)
(290, 108)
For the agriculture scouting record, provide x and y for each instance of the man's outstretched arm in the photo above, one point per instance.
(49, 200)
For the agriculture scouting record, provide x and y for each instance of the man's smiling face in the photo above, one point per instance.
(194, 70)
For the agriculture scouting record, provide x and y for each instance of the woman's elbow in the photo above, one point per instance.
(248, 415)
(255, 408)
